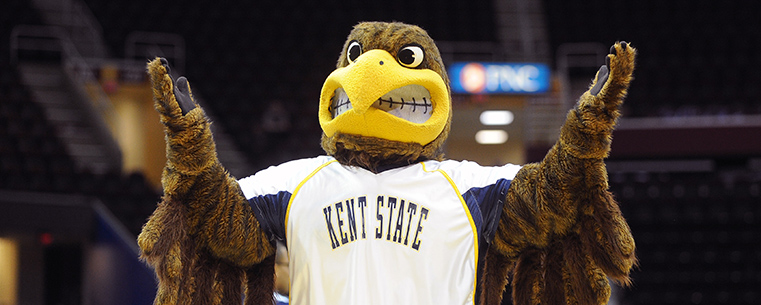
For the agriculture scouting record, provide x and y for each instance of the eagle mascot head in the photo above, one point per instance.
(387, 104)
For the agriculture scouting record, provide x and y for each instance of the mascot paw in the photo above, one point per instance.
(598, 108)
(182, 91)
(172, 98)
(616, 74)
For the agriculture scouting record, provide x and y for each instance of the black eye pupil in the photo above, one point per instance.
(407, 56)
(354, 52)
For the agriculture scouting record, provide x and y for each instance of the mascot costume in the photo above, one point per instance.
(383, 218)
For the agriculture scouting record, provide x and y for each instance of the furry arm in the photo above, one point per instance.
(218, 213)
(203, 236)
(559, 223)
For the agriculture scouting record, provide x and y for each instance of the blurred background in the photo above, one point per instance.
(81, 149)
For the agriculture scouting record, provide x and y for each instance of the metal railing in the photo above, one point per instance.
(77, 21)
(55, 39)
(148, 45)
(577, 55)
(76, 68)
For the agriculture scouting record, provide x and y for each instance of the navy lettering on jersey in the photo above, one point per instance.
(379, 217)
(362, 202)
(399, 223)
(339, 211)
(341, 221)
(391, 207)
(423, 215)
(352, 219)
(412, 209)
(329, 224)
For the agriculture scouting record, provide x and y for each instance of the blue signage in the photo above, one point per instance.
(499, 78)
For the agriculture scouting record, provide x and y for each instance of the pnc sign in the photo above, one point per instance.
(499, 78)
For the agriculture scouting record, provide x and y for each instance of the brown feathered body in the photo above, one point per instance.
(560, 237)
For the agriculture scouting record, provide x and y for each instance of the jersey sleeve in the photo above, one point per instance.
(483, 189)
(269, 192)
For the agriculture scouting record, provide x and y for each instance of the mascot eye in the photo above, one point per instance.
(411, 56)
(353, 51)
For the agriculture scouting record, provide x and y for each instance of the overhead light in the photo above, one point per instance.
(496, 117)
(491, 136)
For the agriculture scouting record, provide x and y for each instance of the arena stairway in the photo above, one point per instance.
(80, 122)
(79, 127)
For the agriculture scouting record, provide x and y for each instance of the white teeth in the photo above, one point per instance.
(411, 102)
(340, 102)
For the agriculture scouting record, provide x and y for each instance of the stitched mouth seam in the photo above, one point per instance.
(401, 104)
(333, 106)
(391, 103)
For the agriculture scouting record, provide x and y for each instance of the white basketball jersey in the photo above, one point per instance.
(408, 235)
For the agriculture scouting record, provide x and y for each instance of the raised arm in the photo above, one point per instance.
(560, 225)
(203, 228)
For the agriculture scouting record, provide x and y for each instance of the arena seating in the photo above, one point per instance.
(31, 156)
(242, 58)
(697, 235)
(33, 159)
(695, 57)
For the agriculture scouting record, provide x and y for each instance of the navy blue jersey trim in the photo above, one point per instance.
(270, 210)
(485, 205)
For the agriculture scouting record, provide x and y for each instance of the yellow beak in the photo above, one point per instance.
(373, 74)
